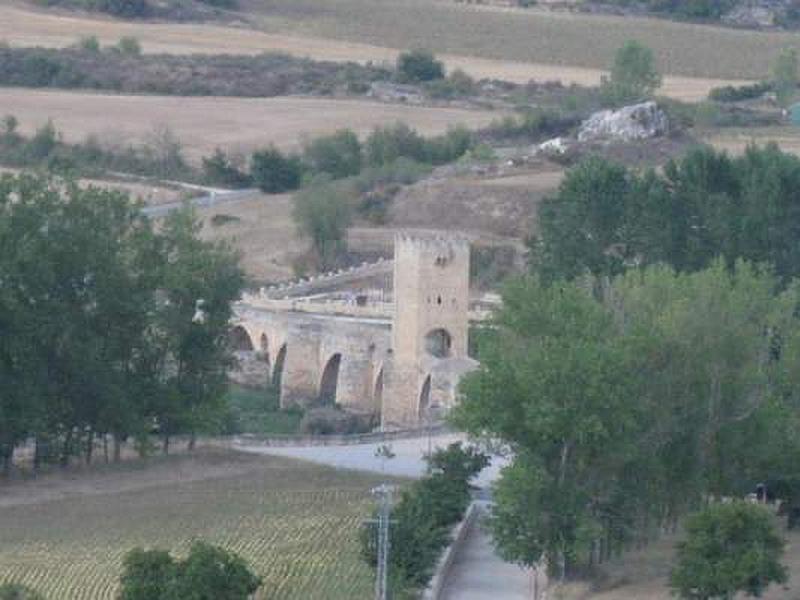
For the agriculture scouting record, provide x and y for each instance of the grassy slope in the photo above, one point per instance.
(295, 523)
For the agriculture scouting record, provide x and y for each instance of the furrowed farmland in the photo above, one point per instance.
(296, 524)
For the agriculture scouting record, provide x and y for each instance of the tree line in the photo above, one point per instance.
(110, 326)
(648, 364)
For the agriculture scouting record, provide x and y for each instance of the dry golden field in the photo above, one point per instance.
(263, 231)
(735, 140)
(203, 123)
(25, 27)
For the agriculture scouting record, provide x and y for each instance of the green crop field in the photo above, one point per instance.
(295, 523)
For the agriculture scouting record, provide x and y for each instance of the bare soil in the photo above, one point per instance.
(503, 206)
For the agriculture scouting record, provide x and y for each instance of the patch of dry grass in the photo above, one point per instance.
(735, 140)
(238, 125)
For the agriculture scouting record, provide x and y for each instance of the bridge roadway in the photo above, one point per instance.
(478, 573)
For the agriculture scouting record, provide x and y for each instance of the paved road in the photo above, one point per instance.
(477, 573)
(408, 460)
(211, 199)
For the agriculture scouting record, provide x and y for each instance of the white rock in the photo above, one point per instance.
(634, 122)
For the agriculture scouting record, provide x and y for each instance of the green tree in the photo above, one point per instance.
(147, 575)
(199, 283)
(207, 573)
(606, 218)
(729, 548)
(627, 401)
(784, 76)
(582, 228)
(339, 154)
(634, 76)
(322, 212)
(212, 573)
(274, 172)
(419, 65)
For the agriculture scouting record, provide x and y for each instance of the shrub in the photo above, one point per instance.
(729, 548)
(388, 143)
(274, 172)
(219, 169)
(88, 44)
(419, 65)
(208, 573)
(338, 154)
(450, 146)
(120, 8)
(331, 421)
(457, 85)
(732, 93)
(129, 46)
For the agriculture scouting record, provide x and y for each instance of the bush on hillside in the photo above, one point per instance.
(419, 65)
(275, 172)
(339, 154)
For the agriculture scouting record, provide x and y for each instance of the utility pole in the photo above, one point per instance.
(384, 494)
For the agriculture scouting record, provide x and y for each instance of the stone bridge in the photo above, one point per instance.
(395, 356)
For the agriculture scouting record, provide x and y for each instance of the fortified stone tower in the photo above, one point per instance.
(431, 322)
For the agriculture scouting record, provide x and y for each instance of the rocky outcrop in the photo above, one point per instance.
(629, 123)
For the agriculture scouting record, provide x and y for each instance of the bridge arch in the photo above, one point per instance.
(278, 367)
(240, 339)
(329, 382)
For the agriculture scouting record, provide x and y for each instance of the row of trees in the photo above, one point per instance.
(606, 218)
(338, 155)
(629, 401)
(108, 325)
(423, 517)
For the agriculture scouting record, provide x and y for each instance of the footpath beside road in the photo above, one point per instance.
(478, 573)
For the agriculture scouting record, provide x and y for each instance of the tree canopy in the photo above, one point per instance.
(634, 76)
(107, 325)
(728, 548)
(606, 218)
(627, 401)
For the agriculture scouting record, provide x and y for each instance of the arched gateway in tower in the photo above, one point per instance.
(430, 327)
